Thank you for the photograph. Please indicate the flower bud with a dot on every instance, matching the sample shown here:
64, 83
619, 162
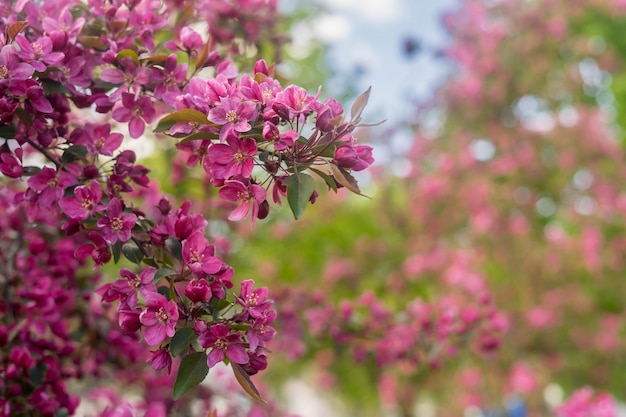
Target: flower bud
198, 291
160, 359
346, 156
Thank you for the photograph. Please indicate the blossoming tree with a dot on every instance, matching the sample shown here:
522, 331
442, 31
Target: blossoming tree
81, 84
508, 231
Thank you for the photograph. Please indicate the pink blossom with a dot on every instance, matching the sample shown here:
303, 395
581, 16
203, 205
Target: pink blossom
99, 251
11, 68
234, 116
159, 318
198, 255
39, 54
117, 225
235, 157
84, 203
254, 301
248, 196
297, 100
224, 343
50, 185
135, 111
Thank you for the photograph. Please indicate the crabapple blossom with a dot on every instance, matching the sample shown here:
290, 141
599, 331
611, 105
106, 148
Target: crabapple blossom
159, 318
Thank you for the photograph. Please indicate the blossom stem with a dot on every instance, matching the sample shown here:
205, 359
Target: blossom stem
44, 153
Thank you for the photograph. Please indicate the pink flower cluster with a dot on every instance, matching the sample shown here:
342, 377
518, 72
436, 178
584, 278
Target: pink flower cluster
586, 403
72, 76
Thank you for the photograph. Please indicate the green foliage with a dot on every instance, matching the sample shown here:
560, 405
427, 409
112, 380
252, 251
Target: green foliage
193, 369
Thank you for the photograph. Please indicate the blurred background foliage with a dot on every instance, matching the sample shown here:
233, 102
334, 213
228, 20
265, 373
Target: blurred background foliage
515, 183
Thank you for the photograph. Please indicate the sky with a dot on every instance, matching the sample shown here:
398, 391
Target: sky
369, 34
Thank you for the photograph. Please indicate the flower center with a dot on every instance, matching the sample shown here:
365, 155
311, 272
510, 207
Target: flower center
266, 94
52, 183
135, 282
195, 257
117, 224
38, 50
238, 157
252, 299
99, 142
221, 344
137, 112
161, 315
86, 203
4, 71
243, 196
231, 116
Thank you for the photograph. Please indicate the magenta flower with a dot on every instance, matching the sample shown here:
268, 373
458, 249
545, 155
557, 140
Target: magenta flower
286, 140
126, 289
98, 138
84, 202
261, 332
49, 186
296, 99
356, 158
224, 343
64, 22
39, 54
247, 195
137, 112
234, 116
11, 68
171, 77
117, 225
254, 301
131, 78
11, 164
159, 318
225, 160
128, 318
99, 250
199, 291
161, 359
198, 255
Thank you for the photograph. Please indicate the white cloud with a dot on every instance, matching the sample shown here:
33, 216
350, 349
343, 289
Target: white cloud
330, 28
372, 10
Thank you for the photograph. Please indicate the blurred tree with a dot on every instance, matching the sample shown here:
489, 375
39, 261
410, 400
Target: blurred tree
515, 201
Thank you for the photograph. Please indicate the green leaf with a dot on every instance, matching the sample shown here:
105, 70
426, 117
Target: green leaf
299, 189
241, 326
174, 247
7, 132
51, 86
38, 373
29, 171
193, 369
182, 116
150, 262
163, 272
246, 383
128, 53
74, 153
132, 252
181, 340
201, 136
92, 42
62, 412
327, 179
116, 249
